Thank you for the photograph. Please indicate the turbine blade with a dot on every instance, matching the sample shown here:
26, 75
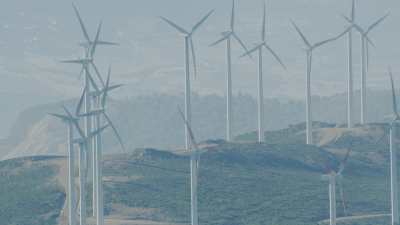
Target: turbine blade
353, 10
301, 35
74, 121
96, 40
115, 131
180, 29
275, 56
75, 61
92, 81
62, 117
67, 111
112, 87
80, 103
319, 44
356, 26
79, 129
98, 74
380, 20
252, 50
104, 98
194, 60
85, 33
344, 162
106, 43
347, 30
225, 37
81, 73
393, 93
233, 16
347, 19
346, 158
241, 43
201, 21
92, 113
99, 131
192, 138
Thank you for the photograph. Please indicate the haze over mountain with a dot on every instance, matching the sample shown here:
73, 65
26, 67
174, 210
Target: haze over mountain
35, 35
153, 121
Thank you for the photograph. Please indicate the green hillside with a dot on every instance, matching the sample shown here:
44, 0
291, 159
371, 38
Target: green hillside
29, 192
270, 184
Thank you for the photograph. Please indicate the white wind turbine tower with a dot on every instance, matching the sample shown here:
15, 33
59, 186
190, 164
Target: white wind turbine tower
350, 83
194, 172
393, 157
89, 46
259, 47
309, 51
228, 36
71, 167
365, 42
189, 46
83, 156
333, 176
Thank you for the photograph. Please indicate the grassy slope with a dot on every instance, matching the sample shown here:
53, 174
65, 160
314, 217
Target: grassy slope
249, 184
273, 184
29, 194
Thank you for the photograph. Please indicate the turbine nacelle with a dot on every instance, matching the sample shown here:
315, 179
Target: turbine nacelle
101, 92
266, 46
310, 47
188, 35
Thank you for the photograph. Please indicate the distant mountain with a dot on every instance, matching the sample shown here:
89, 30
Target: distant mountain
153, 121
240, 183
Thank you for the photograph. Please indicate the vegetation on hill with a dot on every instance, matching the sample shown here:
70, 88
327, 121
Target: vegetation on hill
276, 183
29, 192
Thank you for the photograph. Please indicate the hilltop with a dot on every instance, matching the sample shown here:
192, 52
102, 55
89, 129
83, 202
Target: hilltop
240, 183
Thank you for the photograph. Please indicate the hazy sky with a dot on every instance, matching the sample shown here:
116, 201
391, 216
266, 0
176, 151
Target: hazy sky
35, 35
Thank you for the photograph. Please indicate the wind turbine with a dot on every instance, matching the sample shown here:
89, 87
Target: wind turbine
333, 176
71, 166
194, 171
393, 157
82, 141
228, 36
259, 47
365, 42
89, 46
97, 162
309, 54
88, 85
189, 46
88, 43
